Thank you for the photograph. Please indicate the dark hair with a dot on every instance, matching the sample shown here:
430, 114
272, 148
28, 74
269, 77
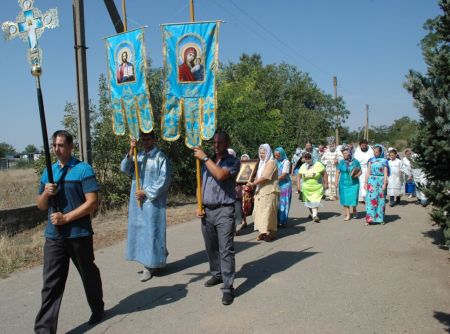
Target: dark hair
345, 149
379, 148
223, 135
307, 155
151, 134
393, 151
363, 141
63, 133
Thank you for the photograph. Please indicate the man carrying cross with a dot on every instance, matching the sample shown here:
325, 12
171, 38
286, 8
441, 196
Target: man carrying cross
68, 235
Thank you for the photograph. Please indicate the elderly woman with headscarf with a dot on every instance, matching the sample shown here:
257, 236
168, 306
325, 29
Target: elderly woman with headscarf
285, 184
266, 195
376, 184
347, 173
311, 175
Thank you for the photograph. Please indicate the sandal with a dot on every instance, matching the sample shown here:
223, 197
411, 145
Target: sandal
269, 238
346, 218
260, 237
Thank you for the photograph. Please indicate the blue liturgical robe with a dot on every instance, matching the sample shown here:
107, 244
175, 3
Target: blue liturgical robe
147, 224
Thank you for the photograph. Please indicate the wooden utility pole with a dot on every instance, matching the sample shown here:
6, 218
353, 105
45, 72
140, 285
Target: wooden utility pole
84, 133
366, 135
337, 116
114, 15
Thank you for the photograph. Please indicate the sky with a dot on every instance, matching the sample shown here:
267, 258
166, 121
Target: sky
369, 45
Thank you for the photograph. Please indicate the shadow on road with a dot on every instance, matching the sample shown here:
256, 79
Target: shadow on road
199, 258
444, 318
391, 218
436, 236
139, 301
260, 270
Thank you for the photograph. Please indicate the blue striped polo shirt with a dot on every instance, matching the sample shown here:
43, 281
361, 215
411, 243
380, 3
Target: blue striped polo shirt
79, 180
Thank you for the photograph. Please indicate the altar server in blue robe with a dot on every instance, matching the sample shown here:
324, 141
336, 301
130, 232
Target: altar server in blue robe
147, 222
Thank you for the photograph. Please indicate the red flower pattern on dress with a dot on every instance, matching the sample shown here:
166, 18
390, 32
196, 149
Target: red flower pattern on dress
374, 202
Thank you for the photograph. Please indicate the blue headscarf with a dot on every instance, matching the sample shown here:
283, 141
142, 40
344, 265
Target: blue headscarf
283, 157
381, 158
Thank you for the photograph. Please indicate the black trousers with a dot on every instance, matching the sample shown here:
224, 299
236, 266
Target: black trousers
218, 233
57, 255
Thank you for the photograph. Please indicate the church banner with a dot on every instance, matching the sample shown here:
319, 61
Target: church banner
190, 54
127, 67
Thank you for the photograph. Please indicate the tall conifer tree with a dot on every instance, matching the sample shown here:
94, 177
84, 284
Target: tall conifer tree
431, 96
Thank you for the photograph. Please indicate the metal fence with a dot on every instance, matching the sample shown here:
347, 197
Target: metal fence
4, 163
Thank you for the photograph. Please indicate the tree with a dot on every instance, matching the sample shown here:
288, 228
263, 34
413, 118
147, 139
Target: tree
276, 104
6, 149
31, 149
431, 97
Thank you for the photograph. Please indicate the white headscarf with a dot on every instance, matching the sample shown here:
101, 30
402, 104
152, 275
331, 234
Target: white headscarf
232, 152
262, 163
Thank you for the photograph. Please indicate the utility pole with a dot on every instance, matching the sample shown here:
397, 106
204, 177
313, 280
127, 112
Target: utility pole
337, 116
366, 135
114, 15
84, 132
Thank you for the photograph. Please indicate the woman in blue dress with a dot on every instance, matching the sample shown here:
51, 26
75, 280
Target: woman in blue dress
285, 184
347, 173
376, 183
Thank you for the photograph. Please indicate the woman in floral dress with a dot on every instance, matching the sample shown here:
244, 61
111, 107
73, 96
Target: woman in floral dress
376, 184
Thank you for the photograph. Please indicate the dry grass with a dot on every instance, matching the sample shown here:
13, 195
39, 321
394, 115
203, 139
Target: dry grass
25, 249
18, 187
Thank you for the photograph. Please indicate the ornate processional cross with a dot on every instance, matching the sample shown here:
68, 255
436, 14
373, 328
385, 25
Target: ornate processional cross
29, 26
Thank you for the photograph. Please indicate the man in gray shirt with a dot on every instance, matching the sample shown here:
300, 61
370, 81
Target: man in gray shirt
218, 184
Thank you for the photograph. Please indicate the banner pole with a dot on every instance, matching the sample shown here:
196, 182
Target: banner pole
136, 169
197, 162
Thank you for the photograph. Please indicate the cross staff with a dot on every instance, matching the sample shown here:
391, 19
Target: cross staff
29, 26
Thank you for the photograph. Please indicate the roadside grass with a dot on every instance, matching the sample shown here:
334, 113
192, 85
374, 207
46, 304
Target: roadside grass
18, 187
25, 250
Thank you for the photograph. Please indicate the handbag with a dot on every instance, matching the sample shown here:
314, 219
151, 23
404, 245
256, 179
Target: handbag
355, 172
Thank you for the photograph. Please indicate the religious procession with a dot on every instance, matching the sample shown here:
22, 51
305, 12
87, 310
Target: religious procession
241, 189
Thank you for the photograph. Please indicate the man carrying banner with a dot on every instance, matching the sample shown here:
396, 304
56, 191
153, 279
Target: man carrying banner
147, 222
68, 234
218, 189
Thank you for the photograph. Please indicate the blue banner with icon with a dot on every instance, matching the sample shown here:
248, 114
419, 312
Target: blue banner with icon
127, 67
190, 54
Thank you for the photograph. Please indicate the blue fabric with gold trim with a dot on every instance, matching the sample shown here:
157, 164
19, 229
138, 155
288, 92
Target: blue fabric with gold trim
190, 54
127, 78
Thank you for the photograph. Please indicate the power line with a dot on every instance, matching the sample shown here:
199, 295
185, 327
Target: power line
276, 38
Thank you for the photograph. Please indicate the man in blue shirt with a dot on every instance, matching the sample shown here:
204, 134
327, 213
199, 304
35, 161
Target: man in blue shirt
218, 191
69, 201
